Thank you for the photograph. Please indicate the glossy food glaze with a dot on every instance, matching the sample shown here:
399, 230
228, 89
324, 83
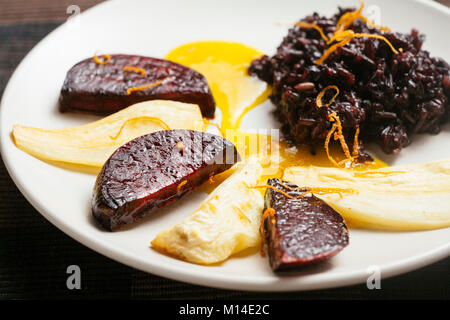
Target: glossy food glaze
154, 170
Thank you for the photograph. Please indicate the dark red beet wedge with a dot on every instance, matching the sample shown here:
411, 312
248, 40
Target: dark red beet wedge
154, 170
302, 231
102, 88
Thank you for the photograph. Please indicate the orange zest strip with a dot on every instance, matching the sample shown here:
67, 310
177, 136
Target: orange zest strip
274, 188
268, 212
338, 192
339, 36
344, 37
339, 135
333, 190
322, 93
287, 187
355, 152
156, 120
306, 25
332, 49
347, 18
147, 86
180, 145
317, 190
181, 185
366, 173
321, 190
98, 61
368, 35
210, 180
138, 70
327, 142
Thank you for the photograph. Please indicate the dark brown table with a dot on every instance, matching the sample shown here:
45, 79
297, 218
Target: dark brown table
34, 255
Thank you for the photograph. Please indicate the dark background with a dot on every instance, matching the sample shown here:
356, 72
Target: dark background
34, 254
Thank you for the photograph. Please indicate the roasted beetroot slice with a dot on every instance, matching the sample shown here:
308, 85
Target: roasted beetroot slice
154, 170
102, 88
302, 231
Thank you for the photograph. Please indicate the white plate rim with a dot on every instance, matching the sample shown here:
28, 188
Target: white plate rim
198, 278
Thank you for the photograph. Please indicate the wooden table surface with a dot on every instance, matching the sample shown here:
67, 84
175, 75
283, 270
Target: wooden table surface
34, 254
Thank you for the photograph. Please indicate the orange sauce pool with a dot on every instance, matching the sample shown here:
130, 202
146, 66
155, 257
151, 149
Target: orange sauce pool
224, 64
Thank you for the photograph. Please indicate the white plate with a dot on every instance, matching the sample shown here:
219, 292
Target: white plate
152, 28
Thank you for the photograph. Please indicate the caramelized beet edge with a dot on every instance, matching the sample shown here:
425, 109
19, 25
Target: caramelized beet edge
102, 88
149, 173
303, 231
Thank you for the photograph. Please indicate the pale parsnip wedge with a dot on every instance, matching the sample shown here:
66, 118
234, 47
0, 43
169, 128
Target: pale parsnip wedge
225, 223
93, 143
413, 197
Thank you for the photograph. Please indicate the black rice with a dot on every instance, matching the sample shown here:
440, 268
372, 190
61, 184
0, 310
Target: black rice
388, 95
